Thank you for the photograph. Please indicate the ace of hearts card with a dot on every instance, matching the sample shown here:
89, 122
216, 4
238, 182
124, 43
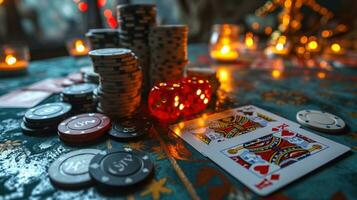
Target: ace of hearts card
265, 155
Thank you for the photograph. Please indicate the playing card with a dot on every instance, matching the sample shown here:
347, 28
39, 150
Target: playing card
274, 156
54, 85
209, 131
23, 98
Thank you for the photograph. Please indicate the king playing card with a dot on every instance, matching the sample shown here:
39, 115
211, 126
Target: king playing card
205, 132
274, 157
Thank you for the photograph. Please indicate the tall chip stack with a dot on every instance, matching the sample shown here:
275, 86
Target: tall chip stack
103, 38
168, 44
120, 83
134, 24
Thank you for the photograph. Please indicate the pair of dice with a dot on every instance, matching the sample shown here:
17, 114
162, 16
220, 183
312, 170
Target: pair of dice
168, 101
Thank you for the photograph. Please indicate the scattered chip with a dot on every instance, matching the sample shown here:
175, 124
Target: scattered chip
81, 97
72, 169
48, 112
130, 128
44, 130
120, 168
84, 128
321, 121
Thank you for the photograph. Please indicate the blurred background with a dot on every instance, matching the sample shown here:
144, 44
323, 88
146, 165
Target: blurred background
46, 25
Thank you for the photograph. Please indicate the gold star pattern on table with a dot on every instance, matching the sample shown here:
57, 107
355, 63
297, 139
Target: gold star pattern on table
159, 152
155, 188
9, 144
139, 146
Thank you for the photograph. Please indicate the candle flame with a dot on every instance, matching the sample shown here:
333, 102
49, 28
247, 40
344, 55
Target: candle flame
279, 46
225, 49
80, 46
10, 59
335, 47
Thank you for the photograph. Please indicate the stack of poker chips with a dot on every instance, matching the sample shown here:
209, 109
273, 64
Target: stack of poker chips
168, 44
81, 97
134, 25
119, 91
205, 73
103, 38
89, 76
43, 119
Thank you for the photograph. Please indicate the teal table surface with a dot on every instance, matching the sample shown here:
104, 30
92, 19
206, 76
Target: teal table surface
24, 160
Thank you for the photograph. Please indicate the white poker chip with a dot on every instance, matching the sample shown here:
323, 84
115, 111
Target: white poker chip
321, 121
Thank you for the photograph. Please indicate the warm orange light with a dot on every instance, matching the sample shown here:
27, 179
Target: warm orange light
276, 74
303, 39
249, 42
312, 45
222, 75
287, 4
225, 49
79, 45
1, 1
255, 25
321, 75
326, 33
300, 50
279, 46
335, 47
268, 30
225, 53
10, 59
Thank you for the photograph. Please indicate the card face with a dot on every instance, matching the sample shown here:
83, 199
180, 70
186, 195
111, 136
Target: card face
206, 132
23, 98
275, 157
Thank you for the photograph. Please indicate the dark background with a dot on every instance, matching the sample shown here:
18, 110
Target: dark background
46, 25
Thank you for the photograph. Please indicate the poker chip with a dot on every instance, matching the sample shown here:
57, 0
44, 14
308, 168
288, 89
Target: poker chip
168, 52
84, 128
103, 38
120, 168
41, 131
81, 97
134, 22
72, 169
130, 128
89, 76
120, 83
321, 121
51, 112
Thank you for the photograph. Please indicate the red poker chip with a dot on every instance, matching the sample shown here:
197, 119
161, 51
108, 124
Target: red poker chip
84, 128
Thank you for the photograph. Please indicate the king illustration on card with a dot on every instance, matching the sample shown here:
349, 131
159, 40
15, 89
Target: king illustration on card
268, 154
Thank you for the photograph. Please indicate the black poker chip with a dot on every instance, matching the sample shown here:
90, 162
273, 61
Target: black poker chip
71, 170
79, 90
50, 112
130, 128
120, 168
45, 130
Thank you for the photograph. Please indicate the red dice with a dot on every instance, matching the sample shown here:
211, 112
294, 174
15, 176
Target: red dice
197, 92
165, 101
